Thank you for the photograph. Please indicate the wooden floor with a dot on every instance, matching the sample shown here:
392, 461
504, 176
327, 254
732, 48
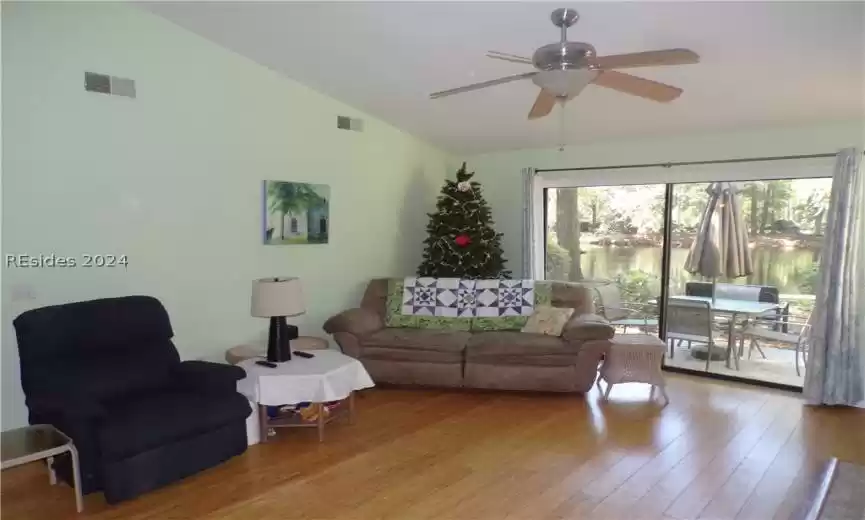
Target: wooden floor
717, 451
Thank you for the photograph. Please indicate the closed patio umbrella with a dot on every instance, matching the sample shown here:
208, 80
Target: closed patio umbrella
721, 245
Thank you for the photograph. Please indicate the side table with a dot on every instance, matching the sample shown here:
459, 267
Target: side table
634, 358
37, 442
329, 376
236, 354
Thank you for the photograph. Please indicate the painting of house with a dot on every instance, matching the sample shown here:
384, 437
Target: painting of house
295, 213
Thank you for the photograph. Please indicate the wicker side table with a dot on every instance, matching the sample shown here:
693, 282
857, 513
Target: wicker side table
634, 358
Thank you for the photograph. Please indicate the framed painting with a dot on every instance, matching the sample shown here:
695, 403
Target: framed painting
295, 213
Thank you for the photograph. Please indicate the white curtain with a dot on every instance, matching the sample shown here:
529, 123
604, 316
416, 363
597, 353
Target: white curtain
836, 363
528, 221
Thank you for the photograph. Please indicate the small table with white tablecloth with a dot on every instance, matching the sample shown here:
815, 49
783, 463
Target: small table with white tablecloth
328, 377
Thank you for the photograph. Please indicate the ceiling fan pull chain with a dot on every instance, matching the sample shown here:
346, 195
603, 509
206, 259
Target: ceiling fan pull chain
561, 127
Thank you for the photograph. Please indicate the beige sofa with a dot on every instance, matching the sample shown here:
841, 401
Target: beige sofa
504, 360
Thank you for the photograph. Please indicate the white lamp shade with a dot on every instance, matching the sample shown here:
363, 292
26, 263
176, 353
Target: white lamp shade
277, 297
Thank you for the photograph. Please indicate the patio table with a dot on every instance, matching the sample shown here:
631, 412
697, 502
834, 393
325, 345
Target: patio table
734, 308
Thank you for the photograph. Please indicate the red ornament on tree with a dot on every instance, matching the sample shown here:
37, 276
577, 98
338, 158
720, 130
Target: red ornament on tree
462, 240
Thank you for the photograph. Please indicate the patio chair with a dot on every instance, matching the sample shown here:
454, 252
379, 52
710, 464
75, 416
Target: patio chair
763, 329
760, 293
624, 315
692, 322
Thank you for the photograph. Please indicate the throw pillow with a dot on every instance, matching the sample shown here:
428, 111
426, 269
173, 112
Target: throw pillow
548, 320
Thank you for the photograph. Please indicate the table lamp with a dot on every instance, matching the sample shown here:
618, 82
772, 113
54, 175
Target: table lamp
276, 298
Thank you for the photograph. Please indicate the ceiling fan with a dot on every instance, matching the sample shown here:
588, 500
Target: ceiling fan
565, 68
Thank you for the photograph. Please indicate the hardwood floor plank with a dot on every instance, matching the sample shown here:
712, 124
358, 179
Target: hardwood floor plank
719, 450
677, 483
727, 500
709, 430
701, 490
763, 501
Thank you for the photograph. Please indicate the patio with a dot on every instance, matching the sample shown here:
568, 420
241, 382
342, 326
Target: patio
778, 367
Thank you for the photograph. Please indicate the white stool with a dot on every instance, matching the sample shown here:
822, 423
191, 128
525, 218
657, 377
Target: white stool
634, 358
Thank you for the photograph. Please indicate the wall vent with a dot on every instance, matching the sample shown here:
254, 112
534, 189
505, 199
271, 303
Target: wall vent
348, 123
105, 84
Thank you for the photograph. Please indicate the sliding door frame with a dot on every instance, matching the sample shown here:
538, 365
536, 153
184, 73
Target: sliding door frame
670, 176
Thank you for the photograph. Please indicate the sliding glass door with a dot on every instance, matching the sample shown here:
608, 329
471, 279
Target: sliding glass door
605, 233
613, 239
757, 317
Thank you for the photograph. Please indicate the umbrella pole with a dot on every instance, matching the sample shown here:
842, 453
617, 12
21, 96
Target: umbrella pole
713, 292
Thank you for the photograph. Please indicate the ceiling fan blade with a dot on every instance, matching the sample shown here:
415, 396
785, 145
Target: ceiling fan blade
508, 57
483, 84
637, 86
647, 59
543, 104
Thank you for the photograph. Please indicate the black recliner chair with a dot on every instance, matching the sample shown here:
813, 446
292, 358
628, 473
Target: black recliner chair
106, 373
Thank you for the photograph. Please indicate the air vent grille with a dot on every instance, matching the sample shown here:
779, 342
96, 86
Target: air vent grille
105, 84
349, 123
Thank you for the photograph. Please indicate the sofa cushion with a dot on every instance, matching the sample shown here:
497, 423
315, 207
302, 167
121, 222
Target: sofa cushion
542, 294
136, 425
393, 314
573, 295
439, 303
509, 343
416, 355
375, 297
586, 327
418, 339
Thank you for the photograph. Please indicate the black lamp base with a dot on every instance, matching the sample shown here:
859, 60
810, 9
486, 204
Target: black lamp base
279, 340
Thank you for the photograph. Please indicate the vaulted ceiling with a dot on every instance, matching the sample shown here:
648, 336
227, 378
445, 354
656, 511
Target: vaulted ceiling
762, 63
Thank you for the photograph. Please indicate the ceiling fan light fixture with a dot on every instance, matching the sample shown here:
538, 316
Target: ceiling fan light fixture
564, 68
565, 83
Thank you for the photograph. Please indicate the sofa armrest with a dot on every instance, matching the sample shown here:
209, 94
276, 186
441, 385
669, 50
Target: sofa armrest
357, 322
587, 327
208, 376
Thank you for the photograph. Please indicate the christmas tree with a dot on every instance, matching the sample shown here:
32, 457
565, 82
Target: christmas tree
461, 241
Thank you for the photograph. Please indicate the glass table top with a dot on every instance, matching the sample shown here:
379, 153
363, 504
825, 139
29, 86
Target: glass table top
23, 443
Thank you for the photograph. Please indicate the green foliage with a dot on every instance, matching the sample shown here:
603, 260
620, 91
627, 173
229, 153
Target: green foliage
557, 261
462, 213
290, 197
638, 286
806, 278
638, 209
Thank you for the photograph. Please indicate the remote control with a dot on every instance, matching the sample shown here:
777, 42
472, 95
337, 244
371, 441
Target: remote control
267, 364
303, 354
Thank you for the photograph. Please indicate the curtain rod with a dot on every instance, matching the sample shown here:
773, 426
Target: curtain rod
689, 163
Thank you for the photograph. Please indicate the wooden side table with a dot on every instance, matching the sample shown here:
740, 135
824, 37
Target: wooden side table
38, 442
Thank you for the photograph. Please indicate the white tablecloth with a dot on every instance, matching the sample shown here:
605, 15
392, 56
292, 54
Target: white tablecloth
329, 376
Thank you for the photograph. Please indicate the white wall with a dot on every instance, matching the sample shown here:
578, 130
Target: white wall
503, 186
173, 178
